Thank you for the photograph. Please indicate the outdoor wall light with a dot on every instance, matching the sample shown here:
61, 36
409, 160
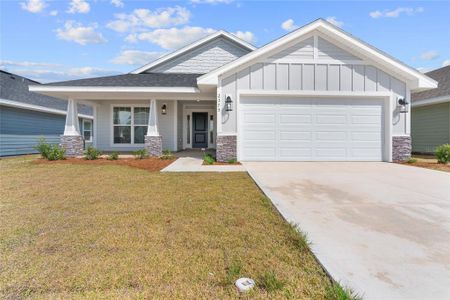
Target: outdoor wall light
403, 105
228, 104
164, 109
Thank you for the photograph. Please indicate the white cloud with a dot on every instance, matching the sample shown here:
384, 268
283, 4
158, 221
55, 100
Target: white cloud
79, 6
429, 55
27, 64
289, 25
335, 22
80, 34
247, 36
140, 19
446, 63
33, 6
211, 1
409, 11
117, 3
136, 57
171, 38
54, 13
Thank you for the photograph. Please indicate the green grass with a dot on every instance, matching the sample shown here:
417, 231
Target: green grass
110, 231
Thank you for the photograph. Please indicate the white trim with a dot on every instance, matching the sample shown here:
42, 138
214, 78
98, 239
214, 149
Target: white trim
111, 125
83, 130
388, 98
431, 101
95, 125
189, 111
112, 89
418, 80
175, 125
39, 108
189, 47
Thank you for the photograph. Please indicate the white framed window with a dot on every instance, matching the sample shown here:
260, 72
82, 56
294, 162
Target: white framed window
129, 124
87, 130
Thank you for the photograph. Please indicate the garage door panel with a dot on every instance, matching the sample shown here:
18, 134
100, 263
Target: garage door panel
259, 118
365, 136
295, 119
252, 153
295, 153
331, 135
367, 119
261, 136
295, 136
331, 153
331, 119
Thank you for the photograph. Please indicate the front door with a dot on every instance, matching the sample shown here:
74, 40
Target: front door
200, 130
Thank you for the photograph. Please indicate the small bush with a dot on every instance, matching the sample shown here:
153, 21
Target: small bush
443, 153
113, 156
56, 152
166, 155
92, 153
270, 282
411, 160
208, 159
43, 147
140, 154
232, 161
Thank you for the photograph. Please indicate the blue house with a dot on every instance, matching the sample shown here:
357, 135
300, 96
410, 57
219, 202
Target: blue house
26, 116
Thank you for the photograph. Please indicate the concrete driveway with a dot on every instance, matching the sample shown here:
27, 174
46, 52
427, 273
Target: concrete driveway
382, 229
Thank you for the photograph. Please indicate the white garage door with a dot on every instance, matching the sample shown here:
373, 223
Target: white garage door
317, 129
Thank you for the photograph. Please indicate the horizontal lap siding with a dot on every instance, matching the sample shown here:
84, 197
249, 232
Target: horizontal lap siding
14, 144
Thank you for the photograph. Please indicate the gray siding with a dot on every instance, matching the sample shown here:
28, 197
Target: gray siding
430, 126
327, 50
204, 59
301, 50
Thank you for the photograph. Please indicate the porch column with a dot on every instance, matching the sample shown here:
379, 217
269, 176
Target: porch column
71, 140
153, 141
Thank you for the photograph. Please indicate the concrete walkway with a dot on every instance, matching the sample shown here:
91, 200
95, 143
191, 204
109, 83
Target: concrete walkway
191, 161
382, 229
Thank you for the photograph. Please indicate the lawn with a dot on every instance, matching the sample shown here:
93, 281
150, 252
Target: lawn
114, 231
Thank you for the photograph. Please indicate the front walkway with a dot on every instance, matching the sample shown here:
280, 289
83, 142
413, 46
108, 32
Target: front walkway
382, 229
191, 161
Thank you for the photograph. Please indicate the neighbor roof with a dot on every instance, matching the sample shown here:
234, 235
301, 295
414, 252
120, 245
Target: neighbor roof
135, 80
15, 88
442, 75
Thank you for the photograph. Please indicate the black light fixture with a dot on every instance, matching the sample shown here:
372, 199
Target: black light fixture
403, 105
164, 109
228, 104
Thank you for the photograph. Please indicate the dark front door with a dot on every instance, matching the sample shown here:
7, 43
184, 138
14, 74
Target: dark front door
200, 130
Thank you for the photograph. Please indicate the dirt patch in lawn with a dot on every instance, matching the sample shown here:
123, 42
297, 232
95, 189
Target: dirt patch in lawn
428, 162
149, 164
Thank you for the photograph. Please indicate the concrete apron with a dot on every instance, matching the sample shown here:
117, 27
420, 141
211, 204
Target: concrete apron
381, 229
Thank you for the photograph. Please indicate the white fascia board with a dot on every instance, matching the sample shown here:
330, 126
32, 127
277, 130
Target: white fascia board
431, 101
38, 108
192, 46
111, 89
419, 80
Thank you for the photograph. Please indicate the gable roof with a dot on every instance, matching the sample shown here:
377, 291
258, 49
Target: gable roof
442, 75
417, 79
15, 88
190, 47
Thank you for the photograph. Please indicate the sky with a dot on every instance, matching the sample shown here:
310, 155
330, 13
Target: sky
59, 40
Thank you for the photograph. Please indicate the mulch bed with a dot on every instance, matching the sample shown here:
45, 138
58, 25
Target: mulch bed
429, 165
149, 164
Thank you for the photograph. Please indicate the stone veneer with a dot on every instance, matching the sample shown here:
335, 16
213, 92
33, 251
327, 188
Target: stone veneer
153, 145
401, 148
226, 148
73, 144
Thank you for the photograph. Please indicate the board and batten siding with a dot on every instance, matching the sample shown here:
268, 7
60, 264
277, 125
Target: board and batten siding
310, 77
204, 59
104, 125
430, 127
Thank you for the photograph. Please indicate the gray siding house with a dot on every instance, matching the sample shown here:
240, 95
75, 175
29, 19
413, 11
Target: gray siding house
315, 94
430, 118
27, 116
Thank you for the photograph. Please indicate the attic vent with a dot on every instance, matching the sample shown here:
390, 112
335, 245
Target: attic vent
12, 77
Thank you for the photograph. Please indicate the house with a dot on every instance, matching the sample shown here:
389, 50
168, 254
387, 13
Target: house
27, 116
315, 94
430, 118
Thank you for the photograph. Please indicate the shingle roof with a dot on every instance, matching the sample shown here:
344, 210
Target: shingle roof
14, 87
138, 80
441, 75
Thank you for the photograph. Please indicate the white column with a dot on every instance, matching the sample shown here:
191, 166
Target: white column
152, 129
72, 127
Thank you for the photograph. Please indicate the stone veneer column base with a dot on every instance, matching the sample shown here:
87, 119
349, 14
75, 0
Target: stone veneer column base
153, 145
226, 148
73, 144
401, 148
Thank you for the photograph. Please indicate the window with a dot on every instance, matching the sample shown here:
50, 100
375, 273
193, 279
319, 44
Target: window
87, 130
130, 124
211, 128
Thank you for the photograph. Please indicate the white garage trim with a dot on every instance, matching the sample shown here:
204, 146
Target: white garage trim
387, 97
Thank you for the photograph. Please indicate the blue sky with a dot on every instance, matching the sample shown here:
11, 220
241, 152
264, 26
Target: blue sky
59, 40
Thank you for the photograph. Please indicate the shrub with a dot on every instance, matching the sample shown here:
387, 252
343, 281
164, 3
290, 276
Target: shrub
443, 153
270, 282
208, 159
140, 154
232, 161
411, 160
43, 147
56, 152
92, 153
113, 156
166, 155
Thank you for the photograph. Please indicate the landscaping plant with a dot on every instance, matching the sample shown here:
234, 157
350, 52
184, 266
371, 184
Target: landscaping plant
208, 159
443, 153
166, 155
43, 147
140, 154
56, 152
113, 156
92, 153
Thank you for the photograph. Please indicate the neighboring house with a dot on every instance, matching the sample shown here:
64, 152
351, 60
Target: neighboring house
27, 116
315, 94
430, 119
